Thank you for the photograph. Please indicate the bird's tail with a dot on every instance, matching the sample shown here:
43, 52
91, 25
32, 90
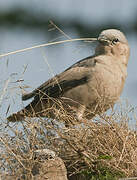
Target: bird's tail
30, 110
16, 117
27, 96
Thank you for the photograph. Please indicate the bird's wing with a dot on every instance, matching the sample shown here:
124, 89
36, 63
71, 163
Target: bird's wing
76, 75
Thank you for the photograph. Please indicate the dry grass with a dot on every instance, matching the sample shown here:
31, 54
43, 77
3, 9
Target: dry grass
93, 148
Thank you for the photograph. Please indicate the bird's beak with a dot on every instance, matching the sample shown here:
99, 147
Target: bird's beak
103, 40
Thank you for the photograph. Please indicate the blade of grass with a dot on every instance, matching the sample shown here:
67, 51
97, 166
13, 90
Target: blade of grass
47, 44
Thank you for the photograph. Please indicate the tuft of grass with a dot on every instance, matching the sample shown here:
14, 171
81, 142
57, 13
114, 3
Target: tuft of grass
103, 148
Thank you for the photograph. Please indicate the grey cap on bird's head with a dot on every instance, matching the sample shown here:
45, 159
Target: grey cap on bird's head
110, 35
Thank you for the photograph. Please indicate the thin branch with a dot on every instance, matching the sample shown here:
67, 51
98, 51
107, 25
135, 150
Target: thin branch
62, 32
47, 44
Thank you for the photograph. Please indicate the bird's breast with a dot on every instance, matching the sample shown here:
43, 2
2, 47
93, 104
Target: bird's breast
108, 81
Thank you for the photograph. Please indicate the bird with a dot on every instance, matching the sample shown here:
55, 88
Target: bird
88, 88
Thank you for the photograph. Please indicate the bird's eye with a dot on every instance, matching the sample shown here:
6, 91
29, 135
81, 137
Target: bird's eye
114, 41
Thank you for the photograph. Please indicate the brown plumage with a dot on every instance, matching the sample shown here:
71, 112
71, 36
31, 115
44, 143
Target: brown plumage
89, 87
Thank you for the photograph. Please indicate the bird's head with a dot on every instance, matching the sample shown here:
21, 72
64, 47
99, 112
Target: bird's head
113, 42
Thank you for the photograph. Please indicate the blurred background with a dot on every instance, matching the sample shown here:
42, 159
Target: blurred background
28, 23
